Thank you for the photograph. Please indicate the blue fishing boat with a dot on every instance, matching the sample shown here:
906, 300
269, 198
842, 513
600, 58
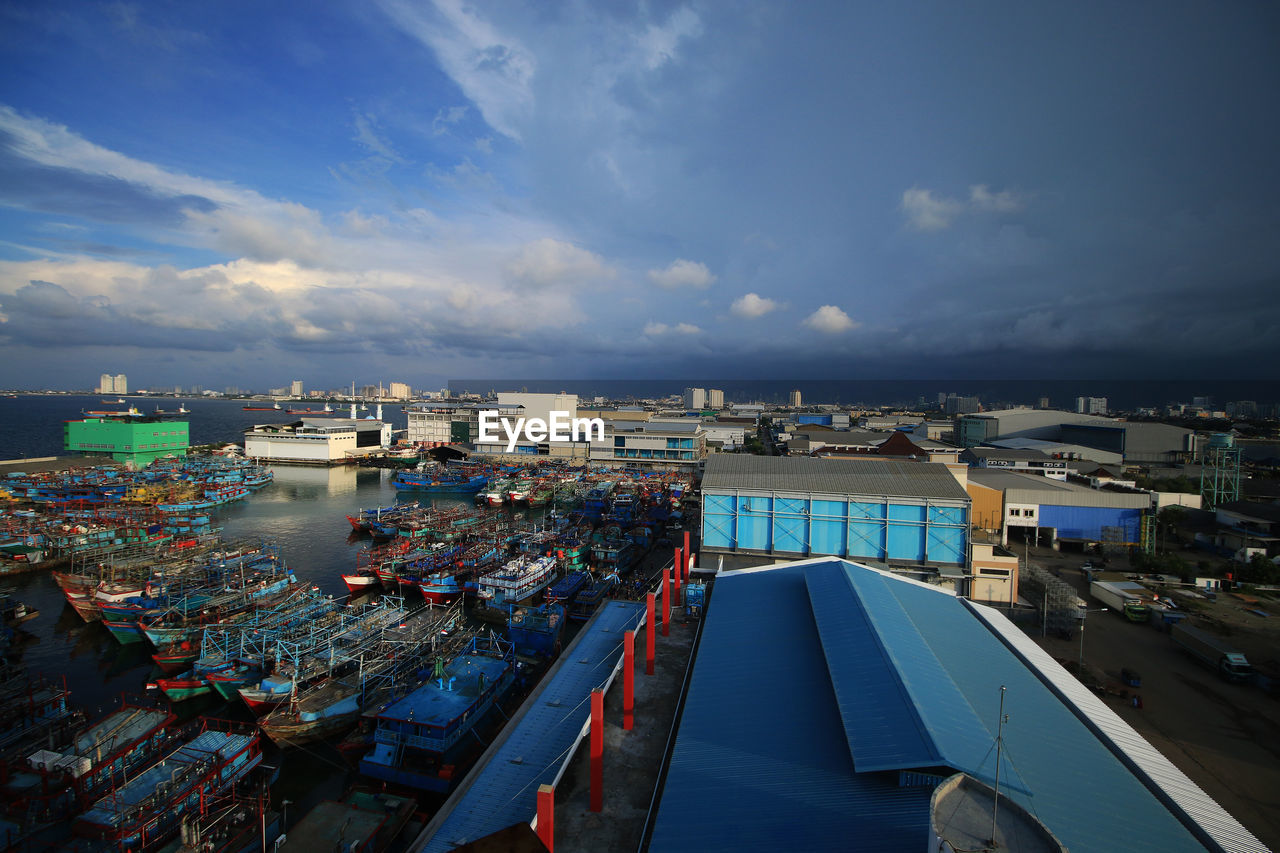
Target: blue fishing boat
452, 483
418, 738
590, 597
537, 631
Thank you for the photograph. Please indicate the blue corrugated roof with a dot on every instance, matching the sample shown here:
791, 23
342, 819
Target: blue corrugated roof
504, 791
757, 763
798, 660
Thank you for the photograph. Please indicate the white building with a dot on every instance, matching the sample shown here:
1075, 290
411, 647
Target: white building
317, 441
794, 399
108, 384
295, 389
1091, 405
715, 399
647, 444
695, 399
399, 391
436, 424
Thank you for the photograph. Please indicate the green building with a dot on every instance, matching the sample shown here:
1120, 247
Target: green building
139, 439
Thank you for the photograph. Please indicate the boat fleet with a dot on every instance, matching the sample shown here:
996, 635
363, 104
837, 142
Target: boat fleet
404, 677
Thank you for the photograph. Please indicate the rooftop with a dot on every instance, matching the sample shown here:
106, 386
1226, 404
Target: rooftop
880, 477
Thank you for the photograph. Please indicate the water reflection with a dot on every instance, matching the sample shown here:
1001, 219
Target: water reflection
307, 482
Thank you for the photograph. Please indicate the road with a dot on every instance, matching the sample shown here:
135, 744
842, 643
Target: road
1224, 736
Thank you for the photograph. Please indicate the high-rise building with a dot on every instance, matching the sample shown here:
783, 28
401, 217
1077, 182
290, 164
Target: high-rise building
399, 391
106, 384
794, 399
295, 388
955, 404
695, 398
715, 398
121, 385
1091, 405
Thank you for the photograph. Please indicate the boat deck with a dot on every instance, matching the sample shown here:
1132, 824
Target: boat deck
432, 705
502, 789
118, 729
332, 825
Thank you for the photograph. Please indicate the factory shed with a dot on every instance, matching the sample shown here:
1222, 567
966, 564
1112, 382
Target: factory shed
884, 510
1050, 510
871, 690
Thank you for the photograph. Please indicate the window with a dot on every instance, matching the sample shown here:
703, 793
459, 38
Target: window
1015, 512
619, 441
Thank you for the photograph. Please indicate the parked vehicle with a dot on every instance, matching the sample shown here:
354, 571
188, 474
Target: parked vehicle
1214, 652
1123, 597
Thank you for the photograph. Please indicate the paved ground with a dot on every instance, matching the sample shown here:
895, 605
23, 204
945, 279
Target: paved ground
1224, 736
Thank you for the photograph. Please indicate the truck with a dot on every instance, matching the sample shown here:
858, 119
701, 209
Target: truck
1214, 652
1124, 598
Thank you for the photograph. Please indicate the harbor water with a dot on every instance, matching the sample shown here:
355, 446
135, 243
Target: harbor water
303, 511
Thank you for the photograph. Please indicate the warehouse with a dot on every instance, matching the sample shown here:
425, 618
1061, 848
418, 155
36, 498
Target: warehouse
1049, 511
897, 512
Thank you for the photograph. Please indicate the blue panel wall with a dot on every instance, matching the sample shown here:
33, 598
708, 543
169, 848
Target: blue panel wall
906, 534
829, 528
755, 523
824, 420
1086, 522
719, 521
867, 529
791, 525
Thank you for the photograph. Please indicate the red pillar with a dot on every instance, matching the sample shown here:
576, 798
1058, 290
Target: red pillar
666, 602
628, 680
597, 750
688, 556
676, 571
650, 638
547, 816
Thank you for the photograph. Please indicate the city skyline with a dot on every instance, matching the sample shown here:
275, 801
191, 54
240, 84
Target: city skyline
432, 190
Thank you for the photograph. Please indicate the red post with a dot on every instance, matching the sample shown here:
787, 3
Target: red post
688, 555
650, 639
547, 816
597, 750
628, 680
666, 602
677, 570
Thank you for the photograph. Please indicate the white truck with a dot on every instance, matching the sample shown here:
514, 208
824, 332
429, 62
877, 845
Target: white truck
1214, 652
1124, 598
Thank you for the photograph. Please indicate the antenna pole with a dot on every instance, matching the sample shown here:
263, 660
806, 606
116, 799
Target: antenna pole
995, 809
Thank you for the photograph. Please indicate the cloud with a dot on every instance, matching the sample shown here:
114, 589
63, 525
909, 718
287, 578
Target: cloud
493, 70
546, 262
658, 43
682, 273
367, 135
1005, 201
929, 212
656, 329
830, 320
752, 305
446, 117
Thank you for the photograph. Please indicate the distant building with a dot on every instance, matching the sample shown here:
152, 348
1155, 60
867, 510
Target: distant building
295, 388
794, 399
695, 399
108, 384
399, 391
715, 399
974, 429
954, 404
320, 441
1043, 403
1091, 405
138, 440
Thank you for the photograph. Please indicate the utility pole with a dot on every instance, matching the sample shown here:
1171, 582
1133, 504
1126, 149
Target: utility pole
995, 808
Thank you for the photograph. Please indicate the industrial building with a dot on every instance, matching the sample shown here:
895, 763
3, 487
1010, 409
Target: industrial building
1049, 511
844, 728
1137, 443
897, 512
651, 444
1025, 461
974, 429
135, 438
317, 441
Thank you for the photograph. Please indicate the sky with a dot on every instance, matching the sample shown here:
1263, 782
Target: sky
245, 193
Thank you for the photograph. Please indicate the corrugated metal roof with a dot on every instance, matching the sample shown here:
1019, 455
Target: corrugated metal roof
1036, 489
777, 777
878, 477
758, 763
503, 791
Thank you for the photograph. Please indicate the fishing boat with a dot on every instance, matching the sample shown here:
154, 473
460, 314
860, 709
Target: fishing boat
564, 590
537, 631
591, 596
149, 806
427, 482
417, 737
515, 583
274, 408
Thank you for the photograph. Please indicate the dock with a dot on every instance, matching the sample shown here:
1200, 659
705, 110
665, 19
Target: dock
538, 743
